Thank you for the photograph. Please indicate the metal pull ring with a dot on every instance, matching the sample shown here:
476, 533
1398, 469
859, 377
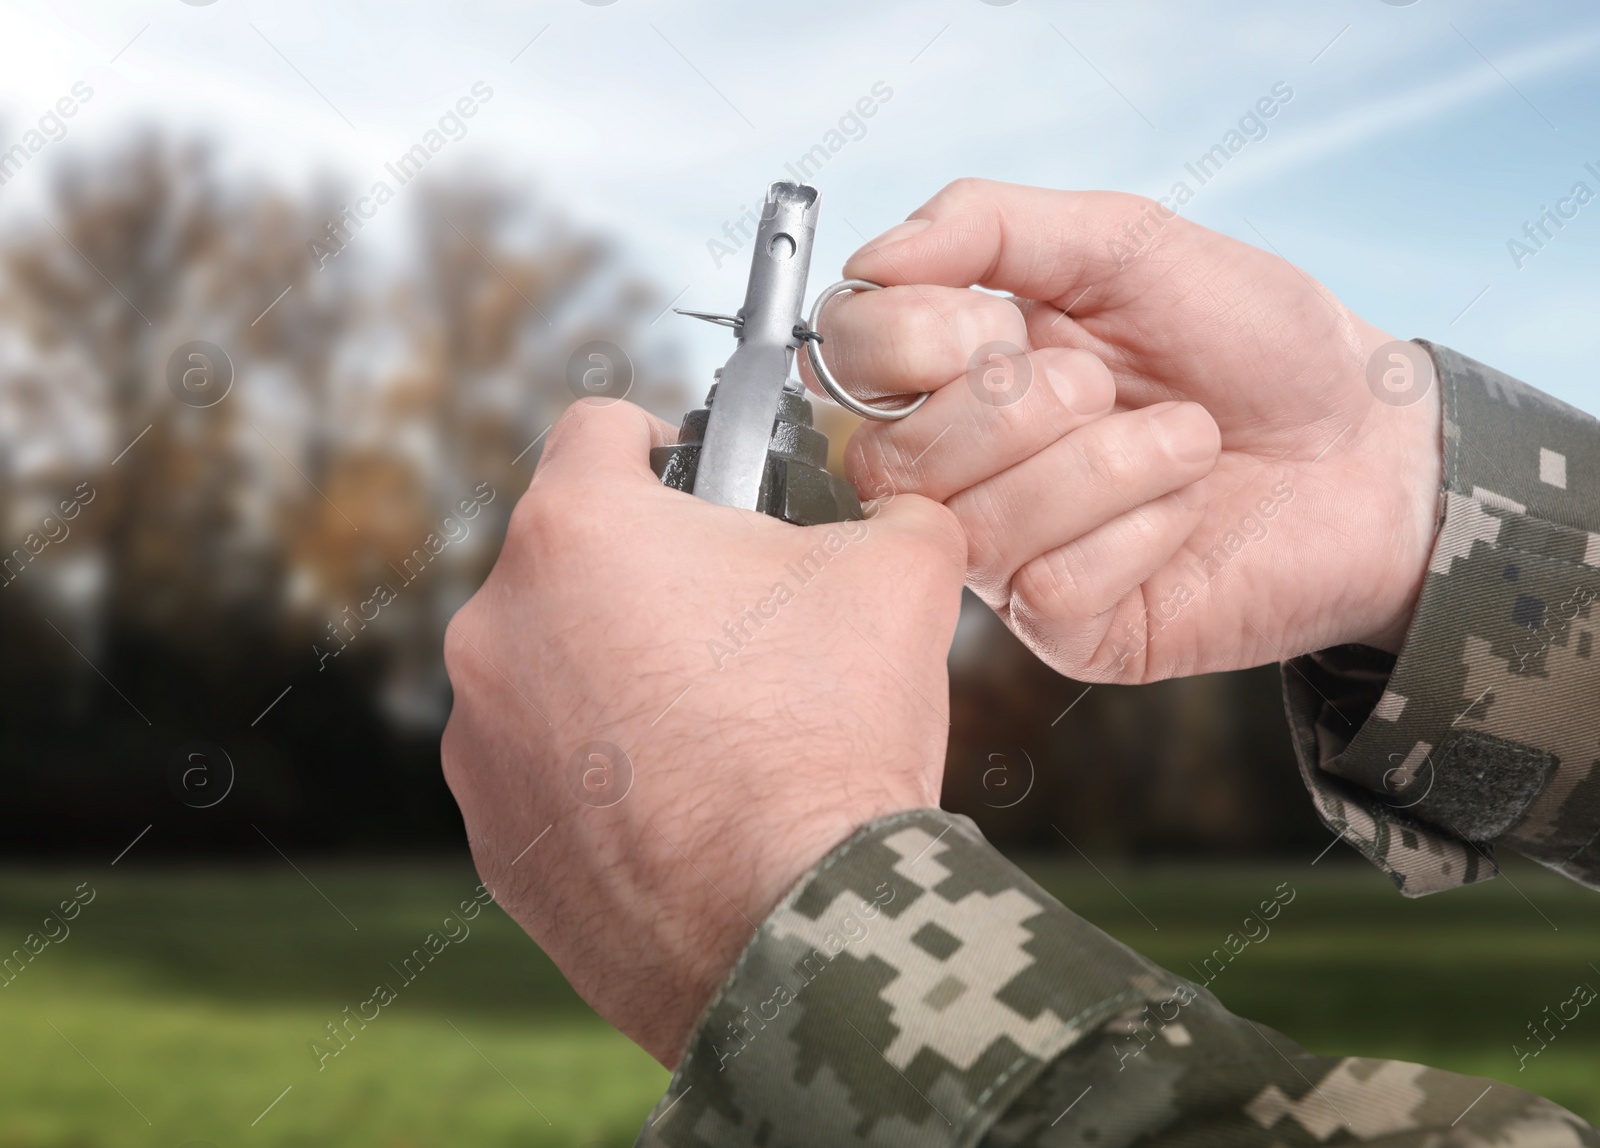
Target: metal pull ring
897, 408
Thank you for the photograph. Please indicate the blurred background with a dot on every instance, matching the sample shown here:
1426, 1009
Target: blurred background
289, 295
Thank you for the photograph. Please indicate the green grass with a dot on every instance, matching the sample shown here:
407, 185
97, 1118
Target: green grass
196, 994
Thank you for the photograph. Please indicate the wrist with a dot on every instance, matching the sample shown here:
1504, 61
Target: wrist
1403, 443
754, 865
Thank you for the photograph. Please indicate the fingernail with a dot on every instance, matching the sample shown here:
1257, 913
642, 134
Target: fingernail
1186, 431
1065, 387
1196, 495
895, 234
973, 330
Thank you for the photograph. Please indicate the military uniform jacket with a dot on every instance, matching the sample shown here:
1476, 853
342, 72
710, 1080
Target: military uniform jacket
916, 988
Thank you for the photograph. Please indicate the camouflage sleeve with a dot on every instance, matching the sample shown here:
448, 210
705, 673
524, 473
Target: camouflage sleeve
918, 989
1486, 729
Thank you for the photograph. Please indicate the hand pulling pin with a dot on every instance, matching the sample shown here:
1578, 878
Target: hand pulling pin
753, 445
896, 408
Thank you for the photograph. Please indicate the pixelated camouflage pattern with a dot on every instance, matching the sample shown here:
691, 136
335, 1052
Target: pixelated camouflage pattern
1486, 730
1226, 1081
918, 989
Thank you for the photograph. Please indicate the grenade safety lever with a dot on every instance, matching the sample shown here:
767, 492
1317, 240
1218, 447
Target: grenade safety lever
753, 446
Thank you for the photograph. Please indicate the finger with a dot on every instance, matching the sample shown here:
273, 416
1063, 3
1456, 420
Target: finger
1080, 606
990, 418
597, 438
1078, 484
910, 339
1034, 242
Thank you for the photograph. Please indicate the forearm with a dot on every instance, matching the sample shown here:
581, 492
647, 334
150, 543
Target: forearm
917, 988
908, 990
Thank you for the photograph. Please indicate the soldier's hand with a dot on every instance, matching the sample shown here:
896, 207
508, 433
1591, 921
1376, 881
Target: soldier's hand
667, 711
1201, 473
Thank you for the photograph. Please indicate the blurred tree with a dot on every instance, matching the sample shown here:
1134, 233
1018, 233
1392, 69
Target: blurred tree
264, 558
317, 509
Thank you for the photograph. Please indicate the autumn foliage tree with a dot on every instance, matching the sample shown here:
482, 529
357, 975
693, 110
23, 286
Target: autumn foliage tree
243, 487
357, 427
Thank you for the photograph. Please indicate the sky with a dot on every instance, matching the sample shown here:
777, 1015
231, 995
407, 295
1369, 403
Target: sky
1419, 140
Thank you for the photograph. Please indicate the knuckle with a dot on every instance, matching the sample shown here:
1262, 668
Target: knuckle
554, 531
1133, 533
875, 464
1062, 607
1045, 586
538, 524
457, 647
1151, 223
1125, 205
964, 189
922, 352
986, 518
904, 342
450, 756
1112, 463
968, 195
981, 321
555, 438
1124, 648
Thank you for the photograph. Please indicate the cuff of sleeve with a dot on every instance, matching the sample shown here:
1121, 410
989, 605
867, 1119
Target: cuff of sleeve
908, 989
1485, 729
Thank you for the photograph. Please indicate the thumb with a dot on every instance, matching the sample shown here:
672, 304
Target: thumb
915, 521
1034, 242
602, 438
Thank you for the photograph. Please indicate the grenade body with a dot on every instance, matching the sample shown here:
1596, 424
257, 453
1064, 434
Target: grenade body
795, 486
